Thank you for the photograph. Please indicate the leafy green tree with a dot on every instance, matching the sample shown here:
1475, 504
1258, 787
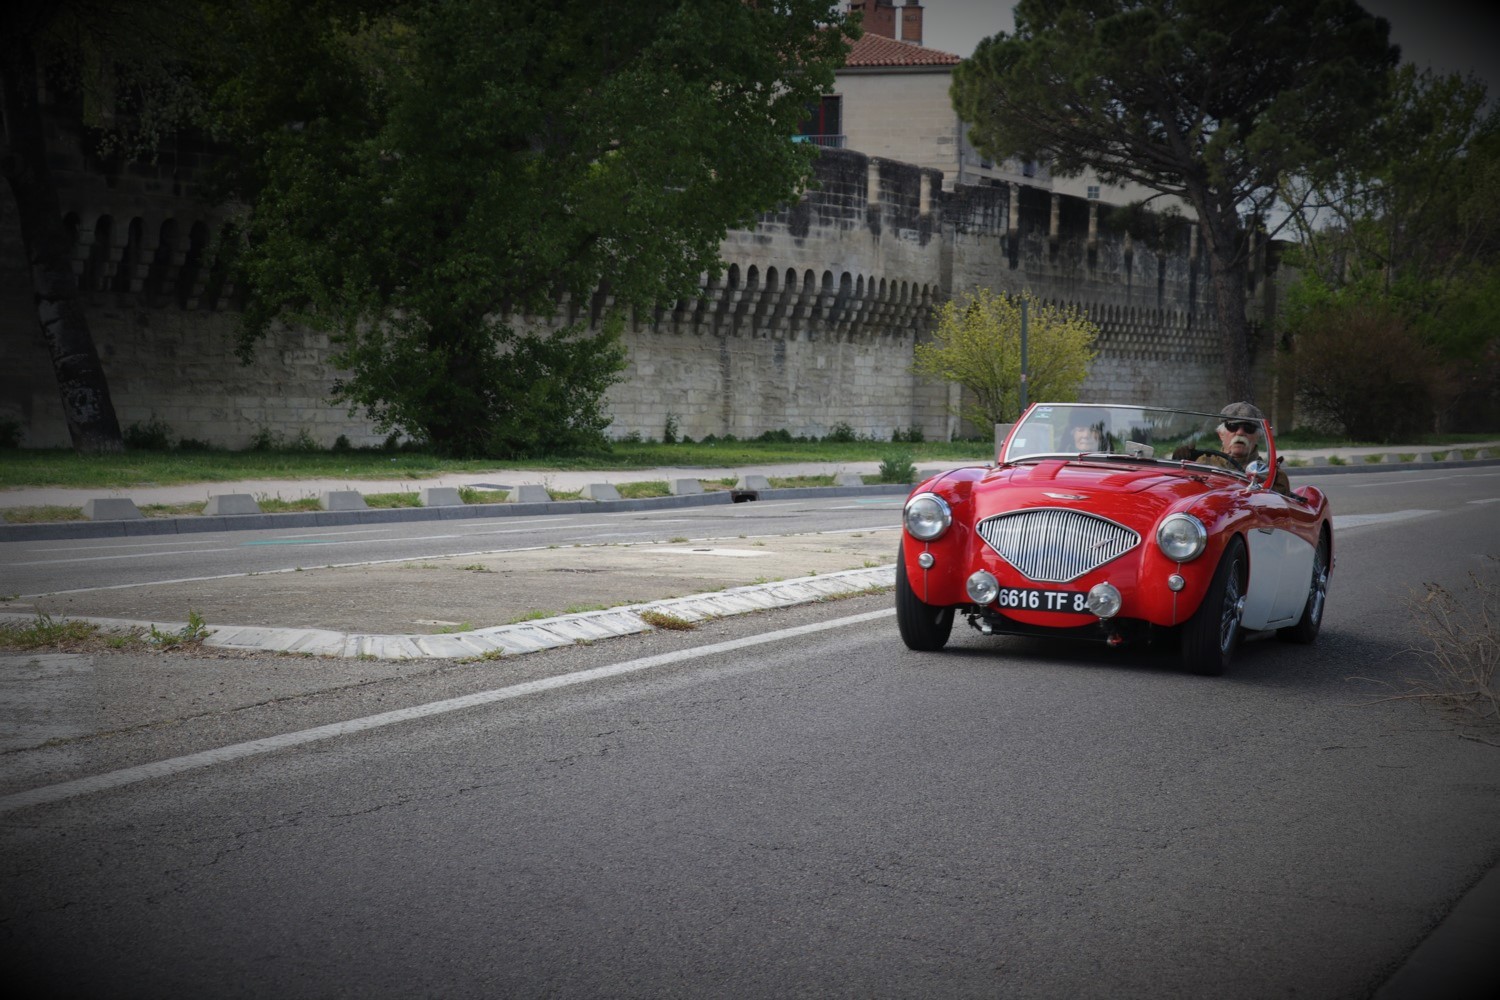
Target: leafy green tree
1418, 210
977, 344
1407, 237
1210, 101
445, 165
114, 74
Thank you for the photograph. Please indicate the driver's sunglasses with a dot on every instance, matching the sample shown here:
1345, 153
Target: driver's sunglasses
1242, 426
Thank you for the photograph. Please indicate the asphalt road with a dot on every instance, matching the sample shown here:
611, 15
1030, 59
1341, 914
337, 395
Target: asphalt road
792, 804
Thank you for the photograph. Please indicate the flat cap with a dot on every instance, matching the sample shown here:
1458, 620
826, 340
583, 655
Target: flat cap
1243, 411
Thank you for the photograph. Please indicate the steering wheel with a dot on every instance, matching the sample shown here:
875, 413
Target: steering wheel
1239, 467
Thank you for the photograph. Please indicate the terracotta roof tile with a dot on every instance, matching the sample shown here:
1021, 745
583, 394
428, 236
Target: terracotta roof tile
877, 50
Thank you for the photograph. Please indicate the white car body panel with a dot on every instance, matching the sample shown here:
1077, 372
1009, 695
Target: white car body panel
1280, 572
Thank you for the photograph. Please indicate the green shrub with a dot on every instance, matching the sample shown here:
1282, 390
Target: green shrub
841, 433
149, 435
897, 467
10, 432
265, 439
303, 442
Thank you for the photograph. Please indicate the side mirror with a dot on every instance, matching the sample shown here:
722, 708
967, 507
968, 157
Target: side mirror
1259, 472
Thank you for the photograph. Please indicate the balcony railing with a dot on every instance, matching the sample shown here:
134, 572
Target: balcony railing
830, 141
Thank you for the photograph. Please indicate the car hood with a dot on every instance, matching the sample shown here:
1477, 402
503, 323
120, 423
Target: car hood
1135, 494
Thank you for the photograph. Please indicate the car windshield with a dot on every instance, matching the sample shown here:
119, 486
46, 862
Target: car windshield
1071, 430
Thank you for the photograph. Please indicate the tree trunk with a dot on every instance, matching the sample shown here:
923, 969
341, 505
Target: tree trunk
1227, 277
87, 407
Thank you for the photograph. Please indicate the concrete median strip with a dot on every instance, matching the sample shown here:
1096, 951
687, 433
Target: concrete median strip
524, 637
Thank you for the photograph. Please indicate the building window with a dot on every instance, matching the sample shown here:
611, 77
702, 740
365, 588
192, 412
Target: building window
1028, 169
1093, 192
825, 122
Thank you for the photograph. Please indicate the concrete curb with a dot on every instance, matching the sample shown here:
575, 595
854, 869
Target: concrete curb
522, 637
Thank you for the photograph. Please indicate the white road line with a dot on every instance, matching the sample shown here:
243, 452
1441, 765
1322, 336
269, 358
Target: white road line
271, 744
1474, 474
1343, 522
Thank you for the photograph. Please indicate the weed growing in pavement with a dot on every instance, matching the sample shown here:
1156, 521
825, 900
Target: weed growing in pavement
172, 509
389, 500
44, 633
41, 514
644, 490
488, 656
276, 505
191, 634
477, 568
798, 482
665, 621
451, 629
1459, 653
469, 494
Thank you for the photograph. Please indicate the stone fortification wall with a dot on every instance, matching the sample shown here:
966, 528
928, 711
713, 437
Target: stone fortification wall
812, 324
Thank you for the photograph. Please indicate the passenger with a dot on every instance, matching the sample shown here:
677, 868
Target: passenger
1240, 440
1084, 436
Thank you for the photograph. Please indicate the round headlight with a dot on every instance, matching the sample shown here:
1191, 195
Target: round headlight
927, 516
983, 587
1103, 600
1181, 537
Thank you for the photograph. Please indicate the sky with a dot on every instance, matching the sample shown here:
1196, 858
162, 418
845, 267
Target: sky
1445, 35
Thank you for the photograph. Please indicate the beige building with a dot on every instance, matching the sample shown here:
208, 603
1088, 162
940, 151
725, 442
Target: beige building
891, 101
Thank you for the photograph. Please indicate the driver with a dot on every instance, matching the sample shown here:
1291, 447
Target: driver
1239, 437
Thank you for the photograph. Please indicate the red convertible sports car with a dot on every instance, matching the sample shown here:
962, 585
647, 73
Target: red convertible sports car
1118, 523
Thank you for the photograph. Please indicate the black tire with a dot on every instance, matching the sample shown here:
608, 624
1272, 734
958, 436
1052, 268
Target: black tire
1209, 637
924, 628
1306, 629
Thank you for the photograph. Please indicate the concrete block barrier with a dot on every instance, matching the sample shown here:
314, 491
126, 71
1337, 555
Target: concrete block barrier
601, 491
753, 482
686, 487
529, 493
231, 503
848, 479
342, 500
111, 509
441, 496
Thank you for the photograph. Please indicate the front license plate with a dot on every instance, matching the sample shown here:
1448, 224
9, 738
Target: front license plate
1032, 599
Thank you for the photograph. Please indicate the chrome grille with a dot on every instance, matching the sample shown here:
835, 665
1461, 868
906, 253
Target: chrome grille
1051, 545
